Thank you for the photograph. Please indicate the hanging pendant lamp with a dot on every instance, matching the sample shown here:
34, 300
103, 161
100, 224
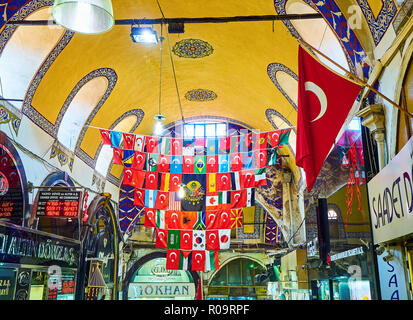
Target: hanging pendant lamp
84, 16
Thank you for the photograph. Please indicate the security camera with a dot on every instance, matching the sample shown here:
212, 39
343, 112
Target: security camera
380, 250
388, 257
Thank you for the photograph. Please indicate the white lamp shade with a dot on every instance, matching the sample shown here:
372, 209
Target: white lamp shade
84, 16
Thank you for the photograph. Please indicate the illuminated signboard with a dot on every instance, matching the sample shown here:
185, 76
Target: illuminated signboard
58, 203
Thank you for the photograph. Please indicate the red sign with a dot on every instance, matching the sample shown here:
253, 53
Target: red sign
61, 208
58, 204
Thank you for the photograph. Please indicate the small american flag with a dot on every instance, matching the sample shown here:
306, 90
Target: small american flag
174, 201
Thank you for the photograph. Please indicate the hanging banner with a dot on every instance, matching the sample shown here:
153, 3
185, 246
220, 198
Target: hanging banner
391, 197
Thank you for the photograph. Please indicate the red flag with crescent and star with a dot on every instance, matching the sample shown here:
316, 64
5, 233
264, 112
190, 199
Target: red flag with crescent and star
324, 102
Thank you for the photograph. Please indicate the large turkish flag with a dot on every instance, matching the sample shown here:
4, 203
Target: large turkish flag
324, 102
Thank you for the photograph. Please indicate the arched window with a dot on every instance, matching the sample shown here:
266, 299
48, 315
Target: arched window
318, 34
106, 153
79, 110
24, 52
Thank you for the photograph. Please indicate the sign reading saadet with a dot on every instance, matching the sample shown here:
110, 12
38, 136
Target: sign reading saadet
391, 197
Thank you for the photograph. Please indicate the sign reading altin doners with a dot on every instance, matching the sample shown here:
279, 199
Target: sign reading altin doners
391, 197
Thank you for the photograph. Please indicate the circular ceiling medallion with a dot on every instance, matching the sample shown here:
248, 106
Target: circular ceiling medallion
192, 48
200, 95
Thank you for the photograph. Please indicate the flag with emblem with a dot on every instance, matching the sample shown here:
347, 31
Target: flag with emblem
271, 157
117, 156
163, 163
198, 260
176, 164
174, 182
211, 182
224, 238
188, 164
200, 164
150, 217
105, 136
224, 219
174, 201
236, 218
186, 239
260, 142
212, 200
150, 198
195, 192
139, 160
211, 146
247, 179
224, 163
211, 219
212, 164
223, 181
236, 162
211, 260
274, 138
250, 197
127, 176
188, 219
139, 199
173, 259
174, 237
160, 219
152, 162
260, 177
173, 219
115, 138
151, 180
151, 144
139, 143
198, 240
128, 141
260, 158
127, 159
188, 147
165, 146
161, 238
176, 146
162, 200
212, 240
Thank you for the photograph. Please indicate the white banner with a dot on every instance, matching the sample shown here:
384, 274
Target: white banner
391, 197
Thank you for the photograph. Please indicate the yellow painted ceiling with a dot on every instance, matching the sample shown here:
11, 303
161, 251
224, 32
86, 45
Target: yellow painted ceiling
236, 70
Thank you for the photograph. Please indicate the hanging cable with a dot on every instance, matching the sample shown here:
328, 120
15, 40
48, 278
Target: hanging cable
160, 69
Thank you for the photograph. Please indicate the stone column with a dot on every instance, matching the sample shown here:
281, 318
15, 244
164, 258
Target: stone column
373, 118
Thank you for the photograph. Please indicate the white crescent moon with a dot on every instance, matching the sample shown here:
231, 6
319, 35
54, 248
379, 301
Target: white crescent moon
311, 86
211, 160
237, 196
174, 256
184, 236
212, 217
175, 178
222, 215
212, 238
161, 235
198, 254
224, 178
162, 197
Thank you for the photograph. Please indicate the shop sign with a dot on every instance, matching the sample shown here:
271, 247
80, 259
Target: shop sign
20, 246
161, 290
391, 197
392, 276
348, 253
58, 203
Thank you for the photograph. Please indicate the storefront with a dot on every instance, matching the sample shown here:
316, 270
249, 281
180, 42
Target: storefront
149, 279
35, 265
391, 208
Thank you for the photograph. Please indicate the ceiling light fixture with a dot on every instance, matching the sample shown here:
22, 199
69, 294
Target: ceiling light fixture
84, 16
158, 124
143, 35
159, 117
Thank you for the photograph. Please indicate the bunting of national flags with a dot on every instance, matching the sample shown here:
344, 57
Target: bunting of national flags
219, 176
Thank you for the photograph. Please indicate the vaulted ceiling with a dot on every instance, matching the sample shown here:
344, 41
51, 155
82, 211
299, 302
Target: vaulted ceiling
244, 71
